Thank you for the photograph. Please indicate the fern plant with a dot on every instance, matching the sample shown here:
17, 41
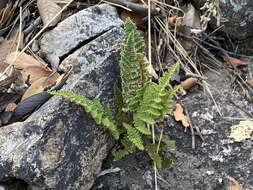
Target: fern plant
140, 103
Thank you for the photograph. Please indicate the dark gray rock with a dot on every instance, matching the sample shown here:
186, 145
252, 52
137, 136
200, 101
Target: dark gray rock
238, 17
60, 146
214, 159
77, 29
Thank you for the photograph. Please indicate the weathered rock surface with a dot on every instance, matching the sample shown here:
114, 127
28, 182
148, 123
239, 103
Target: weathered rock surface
77, 29
214, 159
60, 146
238, 17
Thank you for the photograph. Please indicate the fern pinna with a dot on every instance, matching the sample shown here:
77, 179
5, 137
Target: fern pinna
140, 103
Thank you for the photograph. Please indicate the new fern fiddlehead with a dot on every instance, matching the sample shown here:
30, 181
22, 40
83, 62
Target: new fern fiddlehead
144, 100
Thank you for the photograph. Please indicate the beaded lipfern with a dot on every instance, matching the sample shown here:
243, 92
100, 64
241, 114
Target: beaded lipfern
141, 102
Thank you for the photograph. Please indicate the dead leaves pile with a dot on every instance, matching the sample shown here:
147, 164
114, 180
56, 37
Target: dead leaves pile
7, 11
23, 75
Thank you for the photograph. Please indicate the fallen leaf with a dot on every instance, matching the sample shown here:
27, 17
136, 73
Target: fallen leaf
241, 131
181, 91
236, 61
137, 18
39, 86
7, 46
235, 185
175, 21
11, 79
179, 116
189, 83
48, 9
28, 66
11, 107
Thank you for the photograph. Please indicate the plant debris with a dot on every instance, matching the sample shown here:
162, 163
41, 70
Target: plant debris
179, 116
241, 131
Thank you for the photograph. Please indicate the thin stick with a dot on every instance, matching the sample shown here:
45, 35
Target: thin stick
139, 8
186, 57
117, 5
39, 33
191, 127
20, 31
150, 62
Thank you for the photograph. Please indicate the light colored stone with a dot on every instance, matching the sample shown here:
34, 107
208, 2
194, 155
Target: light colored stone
77, 29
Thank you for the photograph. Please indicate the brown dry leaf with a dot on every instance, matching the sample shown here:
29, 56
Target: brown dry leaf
179, 116
236, 61
174, 21
235, 185
12, 79
48, 9
189, 83
11, 107
28, 66
40, 85
7, 46
241, 131
137, 18
8, 11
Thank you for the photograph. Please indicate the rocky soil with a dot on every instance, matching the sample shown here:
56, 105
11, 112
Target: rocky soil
60, 147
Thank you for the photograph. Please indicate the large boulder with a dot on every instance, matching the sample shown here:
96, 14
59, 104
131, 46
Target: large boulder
60, 146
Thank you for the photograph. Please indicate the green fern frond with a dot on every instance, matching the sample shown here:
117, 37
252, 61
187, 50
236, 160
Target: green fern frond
100, 115
128, 145
152, 151
166, 163
140, 125
139, 41
121, 154
120, 115
128, 149
140, 103
130, 72
164, 81
131, 66
134, 136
